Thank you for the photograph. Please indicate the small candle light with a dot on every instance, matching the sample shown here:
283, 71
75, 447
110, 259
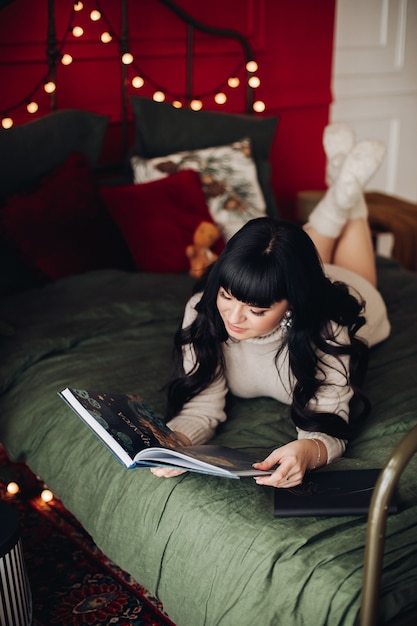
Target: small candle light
12, 488
47, 495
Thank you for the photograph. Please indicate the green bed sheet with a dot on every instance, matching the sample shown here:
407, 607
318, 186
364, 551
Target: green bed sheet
208, 547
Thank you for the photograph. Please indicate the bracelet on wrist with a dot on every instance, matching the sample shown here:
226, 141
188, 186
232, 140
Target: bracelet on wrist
317, 464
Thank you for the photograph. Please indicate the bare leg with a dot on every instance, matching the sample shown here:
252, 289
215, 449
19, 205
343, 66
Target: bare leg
353, 248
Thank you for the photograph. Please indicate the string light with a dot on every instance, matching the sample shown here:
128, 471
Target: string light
159, 96
7, 122
233, 82
49, 87
127, 58
259, 106
138, 81
78, 31
220, 98
251, 66
95, 16
32, 107
196, 105
254, 82
66, 59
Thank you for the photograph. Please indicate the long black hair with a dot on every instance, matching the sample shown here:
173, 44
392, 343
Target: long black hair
265, 262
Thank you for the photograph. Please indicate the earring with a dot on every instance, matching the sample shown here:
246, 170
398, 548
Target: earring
287, 320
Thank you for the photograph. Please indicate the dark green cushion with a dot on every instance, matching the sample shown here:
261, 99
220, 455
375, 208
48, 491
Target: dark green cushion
30, 151
161, 129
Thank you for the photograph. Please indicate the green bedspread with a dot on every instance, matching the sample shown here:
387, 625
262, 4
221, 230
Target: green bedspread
209, 548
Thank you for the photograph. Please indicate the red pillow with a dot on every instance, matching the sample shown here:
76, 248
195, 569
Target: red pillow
61, 227
158, 219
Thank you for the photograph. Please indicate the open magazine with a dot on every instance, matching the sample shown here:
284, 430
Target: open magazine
138, 437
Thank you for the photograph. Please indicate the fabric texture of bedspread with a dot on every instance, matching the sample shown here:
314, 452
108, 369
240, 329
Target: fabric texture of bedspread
209, 548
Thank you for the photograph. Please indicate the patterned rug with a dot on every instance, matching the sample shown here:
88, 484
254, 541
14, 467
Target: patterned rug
72, 582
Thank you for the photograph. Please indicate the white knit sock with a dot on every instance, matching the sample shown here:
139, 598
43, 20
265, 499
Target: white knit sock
358, 168
344, 199
326, 218
359, 209
338, 141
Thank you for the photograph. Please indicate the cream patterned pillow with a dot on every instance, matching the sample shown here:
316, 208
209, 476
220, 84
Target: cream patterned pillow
228, 177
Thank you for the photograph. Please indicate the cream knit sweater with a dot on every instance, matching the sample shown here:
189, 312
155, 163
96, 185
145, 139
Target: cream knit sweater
251, 372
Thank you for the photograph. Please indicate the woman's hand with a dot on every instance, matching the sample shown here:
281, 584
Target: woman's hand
170, 472
293, 460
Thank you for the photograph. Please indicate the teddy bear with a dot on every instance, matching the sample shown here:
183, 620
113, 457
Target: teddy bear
206, 235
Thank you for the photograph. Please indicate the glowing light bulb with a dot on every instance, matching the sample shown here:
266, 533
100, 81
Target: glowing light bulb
259, 106
158, 96
77, 31
12, 488
47, 495
66, 59
95, 16
32, 107
251, 66
127, 58
233, 82
106, 37
49, 87
177, 104
220, 98
7, 122
78, 6
137, 82
254, 82
196, 105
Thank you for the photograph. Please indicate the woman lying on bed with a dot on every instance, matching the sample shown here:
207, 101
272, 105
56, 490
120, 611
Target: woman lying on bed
276, 318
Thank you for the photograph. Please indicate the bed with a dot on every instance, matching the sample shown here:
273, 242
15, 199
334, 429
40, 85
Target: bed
208, 548
93, 286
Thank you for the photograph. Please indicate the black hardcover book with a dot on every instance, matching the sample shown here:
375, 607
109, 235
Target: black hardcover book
331, 492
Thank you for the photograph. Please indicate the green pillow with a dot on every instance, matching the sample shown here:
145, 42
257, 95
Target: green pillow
161, 129
30, 151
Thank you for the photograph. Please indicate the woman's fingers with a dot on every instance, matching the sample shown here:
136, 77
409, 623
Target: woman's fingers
166, 472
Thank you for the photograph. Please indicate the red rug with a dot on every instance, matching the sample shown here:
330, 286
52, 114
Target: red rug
72, 582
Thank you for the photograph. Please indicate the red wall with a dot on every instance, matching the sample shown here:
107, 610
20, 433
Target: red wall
292, 40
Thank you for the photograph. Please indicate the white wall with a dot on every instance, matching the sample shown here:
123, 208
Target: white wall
375, 84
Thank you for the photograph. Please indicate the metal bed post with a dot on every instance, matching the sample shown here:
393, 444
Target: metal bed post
124, 47
220, 32
377, 525
51, 51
